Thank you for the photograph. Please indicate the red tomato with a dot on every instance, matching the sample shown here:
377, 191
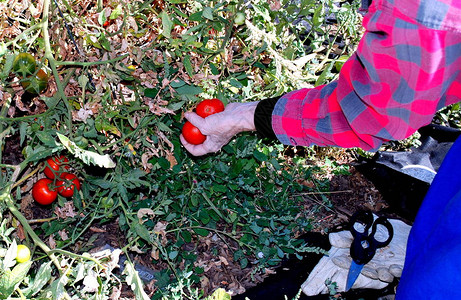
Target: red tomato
192, 134
53, 165
208, 107
66, 186
42, 193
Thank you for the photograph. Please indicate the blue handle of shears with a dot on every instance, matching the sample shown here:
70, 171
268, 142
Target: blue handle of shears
364, 245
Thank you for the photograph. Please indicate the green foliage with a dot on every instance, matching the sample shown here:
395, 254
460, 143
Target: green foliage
117, 116
449, 116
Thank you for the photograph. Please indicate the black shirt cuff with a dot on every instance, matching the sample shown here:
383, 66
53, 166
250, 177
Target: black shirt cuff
263, 118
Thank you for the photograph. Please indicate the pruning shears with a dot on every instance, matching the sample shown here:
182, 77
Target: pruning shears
365, 243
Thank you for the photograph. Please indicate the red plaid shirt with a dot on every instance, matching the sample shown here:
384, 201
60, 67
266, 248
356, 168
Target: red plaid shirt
407, 66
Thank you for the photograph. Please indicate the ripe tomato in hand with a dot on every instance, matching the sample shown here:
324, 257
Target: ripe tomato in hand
208, 107
192, 134
66, 186
53, 165
42, 193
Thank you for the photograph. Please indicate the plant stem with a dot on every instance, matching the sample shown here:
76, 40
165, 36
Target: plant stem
41, 220
52, 61
217, 231
71, 254
89, 64
5, 196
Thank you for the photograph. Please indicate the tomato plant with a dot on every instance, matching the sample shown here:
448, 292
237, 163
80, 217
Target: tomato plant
67, 185
208, 107
42, 193
192, 134
22, 254
53, 165
36, 84
24, 64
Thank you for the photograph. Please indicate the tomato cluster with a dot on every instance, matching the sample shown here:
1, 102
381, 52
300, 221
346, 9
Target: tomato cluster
32, 80
204, 109
58, 181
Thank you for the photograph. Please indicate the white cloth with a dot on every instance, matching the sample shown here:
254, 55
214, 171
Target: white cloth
377, 274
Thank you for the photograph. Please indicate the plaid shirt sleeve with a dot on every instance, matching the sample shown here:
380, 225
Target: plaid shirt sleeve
406, 67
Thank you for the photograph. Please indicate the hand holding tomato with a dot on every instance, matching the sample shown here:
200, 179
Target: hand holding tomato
204, 109
219, 128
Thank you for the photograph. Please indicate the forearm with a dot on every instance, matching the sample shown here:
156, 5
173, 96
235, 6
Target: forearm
392, 86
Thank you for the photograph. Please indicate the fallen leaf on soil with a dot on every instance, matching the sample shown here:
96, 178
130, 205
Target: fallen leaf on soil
90, 282
67, 211
51, 242
63, 234
142, 212
96, 229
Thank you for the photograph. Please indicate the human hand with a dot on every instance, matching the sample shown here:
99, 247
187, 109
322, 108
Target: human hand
219, 128
378, 273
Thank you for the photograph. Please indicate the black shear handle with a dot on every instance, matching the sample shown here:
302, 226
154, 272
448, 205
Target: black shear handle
364, 245
363, 217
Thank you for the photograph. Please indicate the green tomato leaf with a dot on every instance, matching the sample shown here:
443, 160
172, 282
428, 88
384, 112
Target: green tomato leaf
105, 42
207, 13
10, 257
167, 24
102, 17
188, 65
173, 254
47, 139
86, 156
259, 155
142, 231
150, 92
41, 278
58, 288
12, 278
186, 236
8, 63
118, 11
196, 16
201, 231
189, 90
134, 281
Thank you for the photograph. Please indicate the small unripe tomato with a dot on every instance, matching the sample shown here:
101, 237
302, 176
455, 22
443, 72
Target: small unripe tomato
22, 254
192, 134
36, 84
24, 64
43, 192
239, 18
67, 184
